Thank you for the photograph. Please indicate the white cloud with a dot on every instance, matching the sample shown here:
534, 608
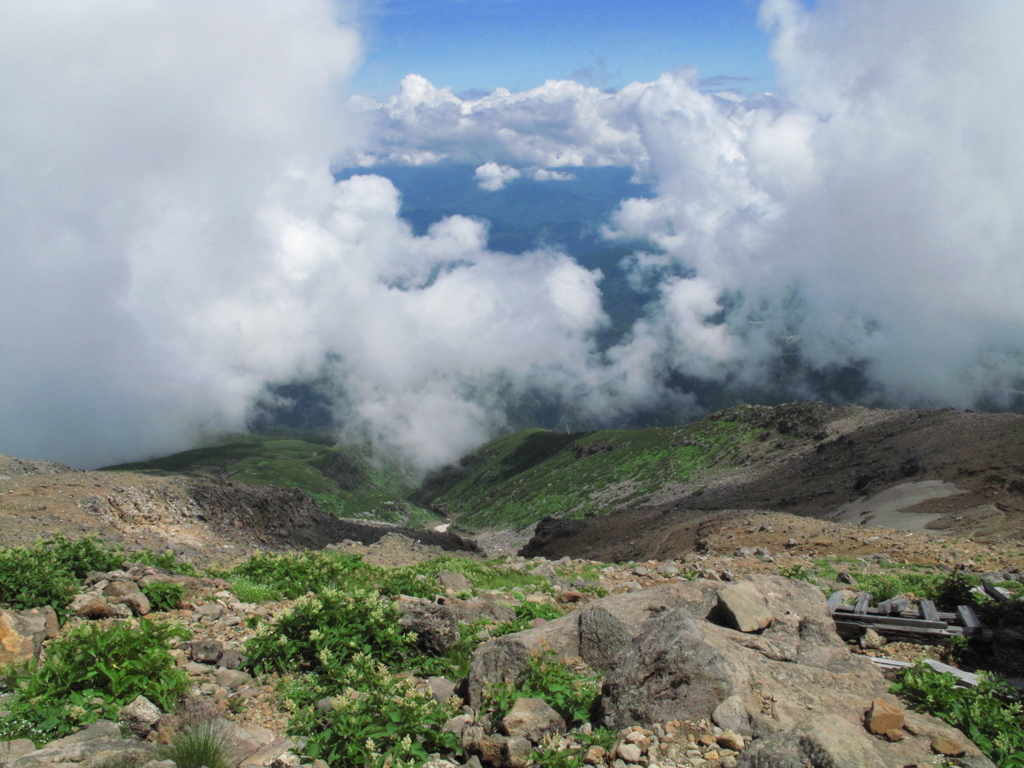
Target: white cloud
543, 174
173, 239
492, 177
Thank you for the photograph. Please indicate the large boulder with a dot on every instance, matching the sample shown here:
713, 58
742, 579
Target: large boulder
596, 633
22, 632
685, 667
436, 626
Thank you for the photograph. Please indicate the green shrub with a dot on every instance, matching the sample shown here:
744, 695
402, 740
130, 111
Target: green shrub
50, 571
570, 693
248, 591
30, 578
294, 574
321, 633
81, 556
375, 719
164, 596
202, 745
90, 673
988, 714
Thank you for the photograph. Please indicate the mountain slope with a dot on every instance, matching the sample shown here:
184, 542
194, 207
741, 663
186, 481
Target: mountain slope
341, 480
518, 478
940, 471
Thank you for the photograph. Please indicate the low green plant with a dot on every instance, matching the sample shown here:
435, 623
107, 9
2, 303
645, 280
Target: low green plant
550, 756
796, 571
90, 673
249, 591
50, 571
991, 715
164, 596
166, 560
29, 578
571, 693
375, 719
322, 632
294, 574
202, 745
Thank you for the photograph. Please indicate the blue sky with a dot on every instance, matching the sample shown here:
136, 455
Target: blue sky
518, 44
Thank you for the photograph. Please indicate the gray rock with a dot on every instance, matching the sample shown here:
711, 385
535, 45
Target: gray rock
206, 651
441, 688
210, 611
12, 750
533, 719
454, 582
436, 626
127, 593
140, 716
484, 606
232, 679
231, 658
684, 668
827, 742
744, 608
90, 605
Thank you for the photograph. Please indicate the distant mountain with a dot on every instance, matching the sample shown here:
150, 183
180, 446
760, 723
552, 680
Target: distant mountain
943, 471
341, 480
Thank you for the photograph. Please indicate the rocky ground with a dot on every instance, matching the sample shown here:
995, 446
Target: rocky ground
736, 549
693, 563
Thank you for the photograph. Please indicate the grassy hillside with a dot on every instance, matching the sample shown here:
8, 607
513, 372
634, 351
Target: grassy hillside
521, 477
340, 479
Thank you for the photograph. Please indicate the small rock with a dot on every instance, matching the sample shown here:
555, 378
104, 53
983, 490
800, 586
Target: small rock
454, 582
731, 740
210, 611
206, 651
744, 607
140, 716
630, 753
944, 745
884, 716
532, 719
232, 679
871, 639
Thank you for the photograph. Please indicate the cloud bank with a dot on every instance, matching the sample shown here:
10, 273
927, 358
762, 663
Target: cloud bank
868, 218
173, 238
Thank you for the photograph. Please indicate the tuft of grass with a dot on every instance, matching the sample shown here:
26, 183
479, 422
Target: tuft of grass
201, 745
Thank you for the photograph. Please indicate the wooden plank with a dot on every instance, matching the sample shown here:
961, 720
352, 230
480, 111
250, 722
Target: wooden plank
863, 601
992, 591
896, 621
967, 677
969, 619
928, 611
834, 601
895, 605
